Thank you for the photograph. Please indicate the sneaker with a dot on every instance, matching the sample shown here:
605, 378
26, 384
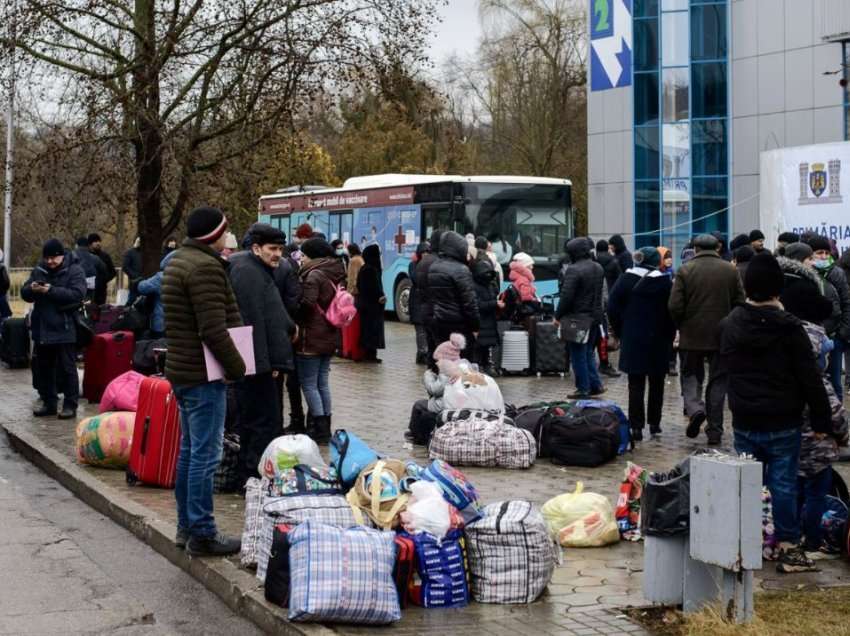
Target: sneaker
67, 414
578, 395
181, 539
598, 391
218, 545
610, 371
45, 411
793, 559
694, 424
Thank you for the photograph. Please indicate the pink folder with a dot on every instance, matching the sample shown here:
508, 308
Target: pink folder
243, 338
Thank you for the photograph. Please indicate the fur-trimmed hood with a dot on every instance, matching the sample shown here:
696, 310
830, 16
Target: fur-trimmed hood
796, 268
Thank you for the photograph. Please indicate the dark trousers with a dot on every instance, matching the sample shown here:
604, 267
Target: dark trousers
637, 391
57, 364
482, 356
693, 380
259, 420
812, 492
293, 391
431, 341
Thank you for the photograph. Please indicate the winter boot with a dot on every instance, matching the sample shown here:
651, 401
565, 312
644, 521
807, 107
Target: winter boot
320, 432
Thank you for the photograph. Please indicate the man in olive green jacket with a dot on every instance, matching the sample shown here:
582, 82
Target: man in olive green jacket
705, 290
199, 309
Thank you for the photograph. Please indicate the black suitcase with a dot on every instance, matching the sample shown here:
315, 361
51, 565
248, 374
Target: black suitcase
15, 343
550, 353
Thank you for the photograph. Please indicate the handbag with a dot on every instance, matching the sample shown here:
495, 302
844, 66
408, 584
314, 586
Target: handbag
576, 329
83, 324
378, 492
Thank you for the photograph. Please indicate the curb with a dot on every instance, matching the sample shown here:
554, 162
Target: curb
235, 587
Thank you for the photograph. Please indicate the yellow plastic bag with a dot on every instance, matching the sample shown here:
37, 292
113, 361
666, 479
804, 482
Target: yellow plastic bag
563, 510
591, 531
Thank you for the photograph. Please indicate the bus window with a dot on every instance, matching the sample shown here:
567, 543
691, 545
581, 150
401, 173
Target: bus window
437, 217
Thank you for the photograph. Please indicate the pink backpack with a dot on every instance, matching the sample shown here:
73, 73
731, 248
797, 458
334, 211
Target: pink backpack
341, 310
122, 394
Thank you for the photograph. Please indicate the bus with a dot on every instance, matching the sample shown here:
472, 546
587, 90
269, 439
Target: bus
397, 211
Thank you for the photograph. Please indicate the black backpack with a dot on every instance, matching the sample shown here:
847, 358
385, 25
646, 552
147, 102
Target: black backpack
581, 437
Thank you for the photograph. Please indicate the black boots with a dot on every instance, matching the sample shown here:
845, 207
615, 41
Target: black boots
219, 545
320, 432
296, 425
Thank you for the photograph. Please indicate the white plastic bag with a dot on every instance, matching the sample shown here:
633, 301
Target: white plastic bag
427, 510
593, 530
473, 390
285, 452
563, 510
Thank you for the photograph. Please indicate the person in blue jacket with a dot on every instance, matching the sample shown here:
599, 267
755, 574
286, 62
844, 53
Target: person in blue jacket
152, 288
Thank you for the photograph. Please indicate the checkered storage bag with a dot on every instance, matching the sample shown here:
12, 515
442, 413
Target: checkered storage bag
227, 474
511, 555
342, 575
256, 492
480, 439
333, 510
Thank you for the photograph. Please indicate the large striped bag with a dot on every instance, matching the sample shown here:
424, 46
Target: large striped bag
344, 576
478, 438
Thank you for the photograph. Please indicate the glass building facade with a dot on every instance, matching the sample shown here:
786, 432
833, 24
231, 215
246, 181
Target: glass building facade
681, 120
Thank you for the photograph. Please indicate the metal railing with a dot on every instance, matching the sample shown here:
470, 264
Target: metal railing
19, 275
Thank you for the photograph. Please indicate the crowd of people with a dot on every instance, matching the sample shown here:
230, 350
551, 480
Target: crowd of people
737, 323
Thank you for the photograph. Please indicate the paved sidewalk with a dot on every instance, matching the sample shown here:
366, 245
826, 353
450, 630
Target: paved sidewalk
375, 402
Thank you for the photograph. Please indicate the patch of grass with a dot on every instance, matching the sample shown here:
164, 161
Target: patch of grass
801, 613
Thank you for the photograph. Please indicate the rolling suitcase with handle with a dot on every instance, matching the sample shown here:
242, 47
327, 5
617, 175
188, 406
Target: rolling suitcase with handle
108, 356
515, 352
15, 343
351, 341
550, 353
156, 436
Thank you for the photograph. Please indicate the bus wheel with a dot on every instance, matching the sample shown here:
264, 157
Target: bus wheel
402, 300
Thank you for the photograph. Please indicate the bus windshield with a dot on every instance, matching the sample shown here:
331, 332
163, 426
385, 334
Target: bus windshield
516, 218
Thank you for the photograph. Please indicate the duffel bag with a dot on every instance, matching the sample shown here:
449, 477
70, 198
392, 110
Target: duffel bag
477, 441
442, 570
330, 509
532, 418
105, 439
606, 410
350, 455
456, 488
145, 355
342, 575
511, 555
379, 495
572, 439
256, 496
122, 393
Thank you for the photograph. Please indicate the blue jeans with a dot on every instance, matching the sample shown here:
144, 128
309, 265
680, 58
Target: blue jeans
813, 491
202, 412
313, 373
779, 454
834, 368
583, 358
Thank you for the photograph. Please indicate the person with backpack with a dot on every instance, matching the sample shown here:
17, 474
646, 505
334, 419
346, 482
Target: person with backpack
321, 273
637, 310
370, 301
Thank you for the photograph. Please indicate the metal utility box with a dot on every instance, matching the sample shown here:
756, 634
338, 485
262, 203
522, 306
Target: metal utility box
726, 512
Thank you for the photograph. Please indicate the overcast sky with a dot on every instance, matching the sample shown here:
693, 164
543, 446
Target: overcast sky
458, 32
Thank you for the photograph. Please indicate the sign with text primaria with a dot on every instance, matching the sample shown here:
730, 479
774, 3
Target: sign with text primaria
610, 44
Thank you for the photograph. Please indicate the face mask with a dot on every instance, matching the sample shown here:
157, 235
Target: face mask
823, 264
340, 252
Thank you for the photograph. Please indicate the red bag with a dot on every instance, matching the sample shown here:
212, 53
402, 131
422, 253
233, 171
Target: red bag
405, 568
351, 341
108, 356
156, 436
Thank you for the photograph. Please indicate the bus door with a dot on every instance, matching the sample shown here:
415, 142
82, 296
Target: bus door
341, 226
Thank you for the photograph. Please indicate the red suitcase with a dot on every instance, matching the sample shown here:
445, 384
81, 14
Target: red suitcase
156, 436
108, 356
405, 568
351, 341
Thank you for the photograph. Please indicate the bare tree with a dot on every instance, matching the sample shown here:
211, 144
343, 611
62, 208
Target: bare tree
190, 85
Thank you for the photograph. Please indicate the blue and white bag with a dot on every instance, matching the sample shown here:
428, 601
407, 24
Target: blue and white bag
441, 566
342, 575
350, 455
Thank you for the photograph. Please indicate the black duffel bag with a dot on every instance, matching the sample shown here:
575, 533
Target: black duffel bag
146, 356
580, 439
666, 501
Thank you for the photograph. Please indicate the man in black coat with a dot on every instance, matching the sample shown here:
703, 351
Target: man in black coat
426, 307
451, 293
610, 265
92, 266
105, 275
251, 275
56, 287
772, 376
132, 267
621, 253
581, 301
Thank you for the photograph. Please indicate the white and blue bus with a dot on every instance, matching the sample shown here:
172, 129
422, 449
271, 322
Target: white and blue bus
397, 211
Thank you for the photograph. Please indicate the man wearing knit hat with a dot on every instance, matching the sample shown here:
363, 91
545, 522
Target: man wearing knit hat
785, 239
828, 271
107, 273
757, 241
199, 309
772, 377
704, 292
56, 287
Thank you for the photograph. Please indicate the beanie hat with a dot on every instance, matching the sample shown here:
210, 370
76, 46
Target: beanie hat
53, 247
523, 259
744, 254
317, 248
82, 241
651, 256
739, 241
304, 231
206, 225
481, 243
706, 242
264, 234
451, 348
798, 251
756, 235
601, 246
764, 279
818, 242
94, 237
789, 237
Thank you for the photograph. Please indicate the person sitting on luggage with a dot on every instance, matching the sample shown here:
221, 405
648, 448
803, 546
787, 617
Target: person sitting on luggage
151, 288
486, 287
56, 287
447, 355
